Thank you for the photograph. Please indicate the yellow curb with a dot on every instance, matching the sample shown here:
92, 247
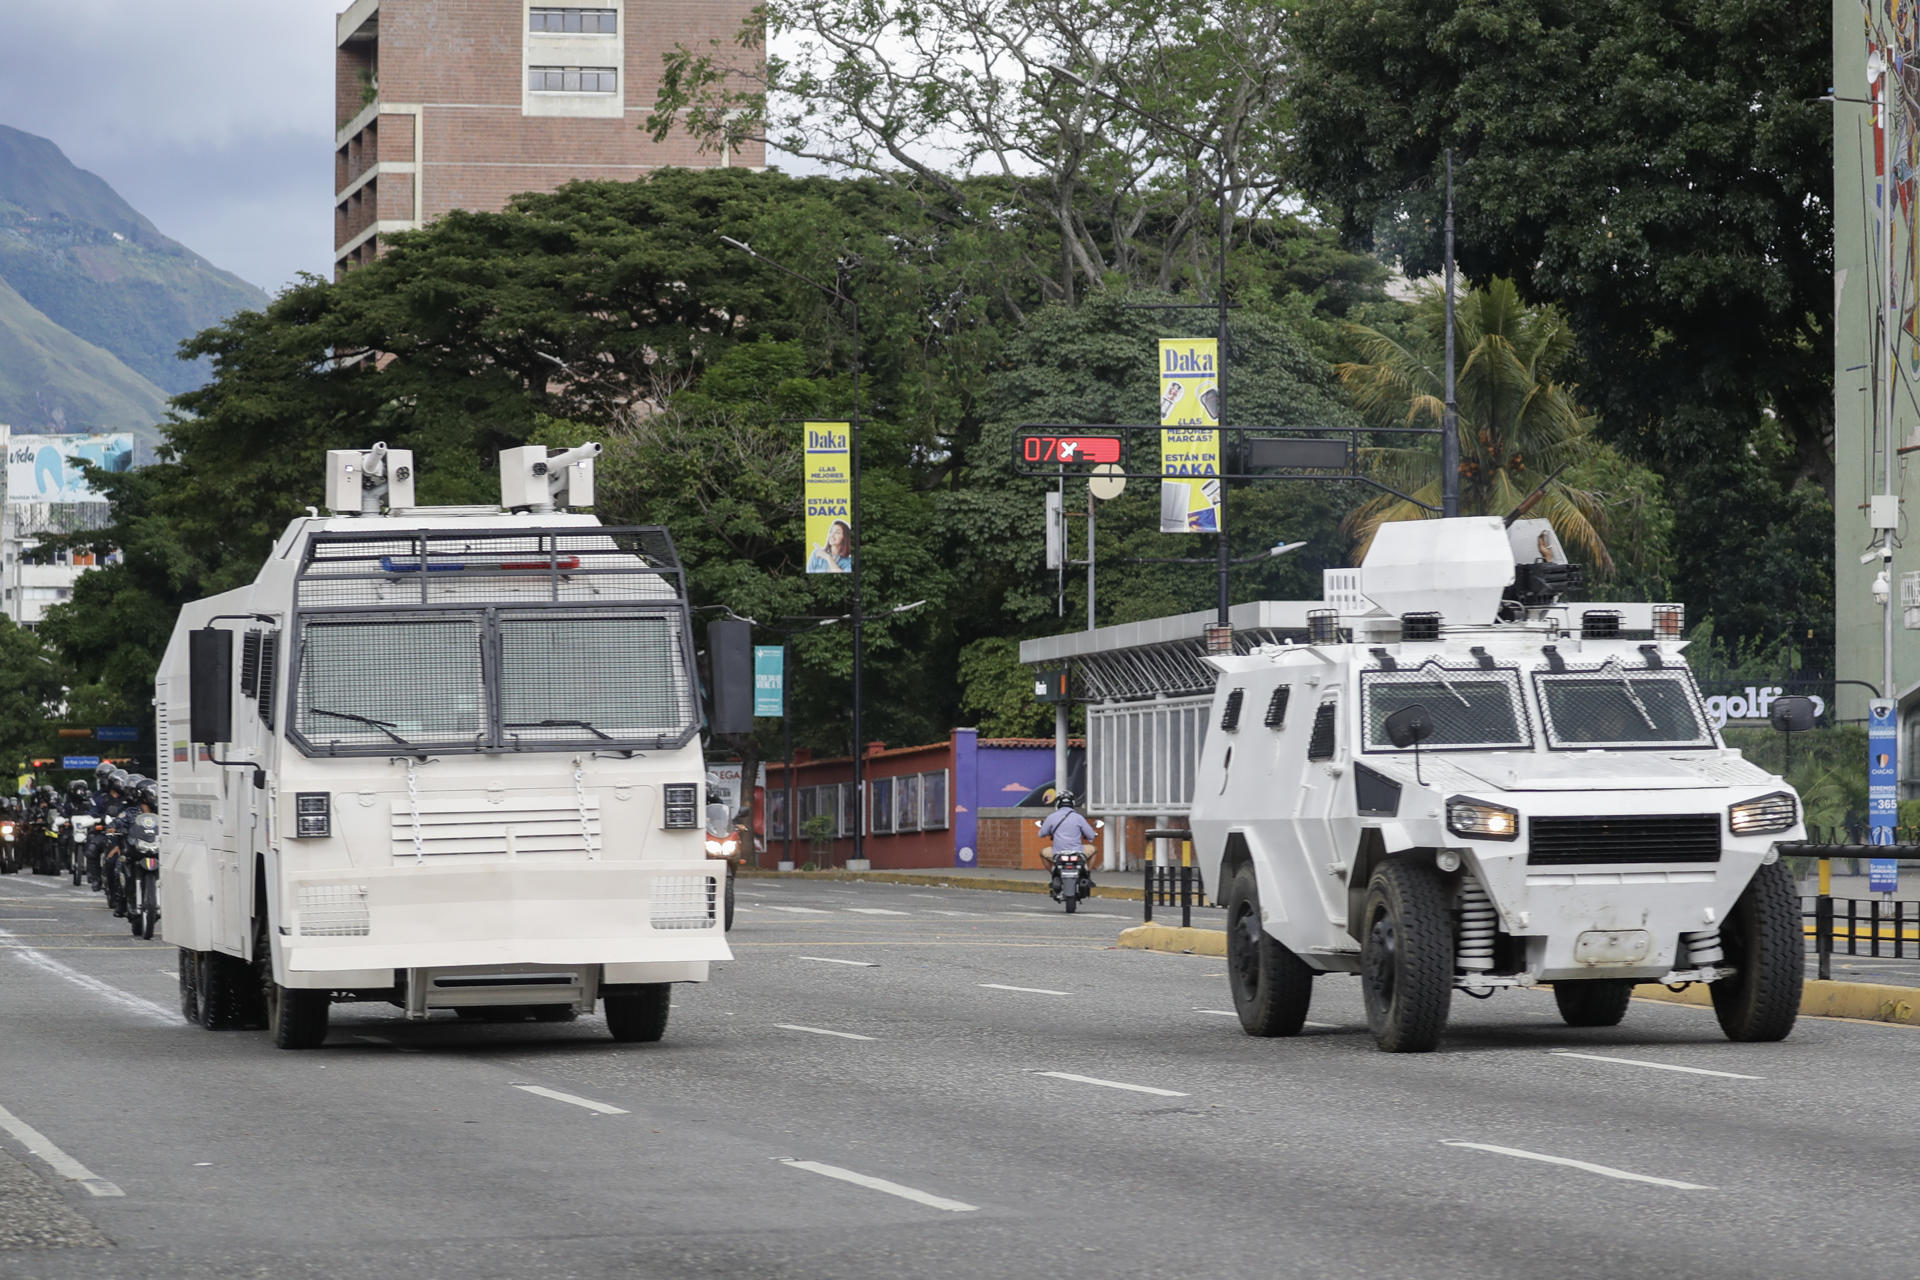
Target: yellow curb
934, 881
1168, 937
1860, 1001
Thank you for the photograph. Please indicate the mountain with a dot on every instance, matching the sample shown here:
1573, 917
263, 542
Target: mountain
84, 260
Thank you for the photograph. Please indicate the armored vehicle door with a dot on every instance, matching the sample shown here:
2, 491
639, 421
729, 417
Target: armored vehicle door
1327, 828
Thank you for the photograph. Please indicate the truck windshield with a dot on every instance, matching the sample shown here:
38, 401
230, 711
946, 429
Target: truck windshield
1614, 706
367, 682
1469, 708
602, 678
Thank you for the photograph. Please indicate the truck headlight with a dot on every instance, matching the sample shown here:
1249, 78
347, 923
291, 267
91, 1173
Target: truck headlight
1478, 820
312, 815
682, 807
1775, 812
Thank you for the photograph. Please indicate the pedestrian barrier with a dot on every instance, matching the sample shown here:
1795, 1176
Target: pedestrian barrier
1169, 884
1875, 927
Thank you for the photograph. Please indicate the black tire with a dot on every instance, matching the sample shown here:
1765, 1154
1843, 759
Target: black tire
190, 986
224, 982
1406, 956
1763, 942
1597, 1002
638, 1014
296, 1018
728, 924
1072, 902
78, 868
149, 905
1272, 987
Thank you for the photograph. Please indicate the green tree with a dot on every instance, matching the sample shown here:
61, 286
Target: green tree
31, 693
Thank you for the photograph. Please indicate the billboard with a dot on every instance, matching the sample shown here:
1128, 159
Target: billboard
829, 483
47, 468
1190, 455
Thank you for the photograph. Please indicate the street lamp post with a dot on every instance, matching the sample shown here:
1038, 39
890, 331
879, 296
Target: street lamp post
859, 539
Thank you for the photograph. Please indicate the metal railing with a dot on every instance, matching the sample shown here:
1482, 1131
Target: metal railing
1168, 883
1873, 927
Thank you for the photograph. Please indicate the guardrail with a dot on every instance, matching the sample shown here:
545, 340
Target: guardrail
1888, 927
1168, 884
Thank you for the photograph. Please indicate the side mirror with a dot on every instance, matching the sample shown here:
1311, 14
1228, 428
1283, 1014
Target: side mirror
1793, 714
1411, 726
210, 685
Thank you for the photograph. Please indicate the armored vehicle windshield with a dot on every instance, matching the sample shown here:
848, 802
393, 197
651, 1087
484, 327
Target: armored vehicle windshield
1612, 706
1471, 708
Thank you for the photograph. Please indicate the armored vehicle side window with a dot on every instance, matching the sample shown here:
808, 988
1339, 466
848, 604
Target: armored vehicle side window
1230, 717
1471, 708
1320, 745
1616, 706
1277, 707
367, 682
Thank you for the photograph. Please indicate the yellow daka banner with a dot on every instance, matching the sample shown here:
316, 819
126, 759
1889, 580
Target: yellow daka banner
1190, 454
829, 483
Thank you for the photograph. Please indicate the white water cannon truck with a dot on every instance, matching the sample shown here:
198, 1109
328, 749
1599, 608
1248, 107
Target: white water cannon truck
446, 757
1456, 784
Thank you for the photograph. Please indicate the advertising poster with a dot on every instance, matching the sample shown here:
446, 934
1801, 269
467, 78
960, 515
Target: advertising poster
1190, 451
769, 677
829, 481
1883, 791
47, 468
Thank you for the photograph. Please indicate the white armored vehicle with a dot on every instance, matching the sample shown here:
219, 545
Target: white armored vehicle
456, 765
1457, 785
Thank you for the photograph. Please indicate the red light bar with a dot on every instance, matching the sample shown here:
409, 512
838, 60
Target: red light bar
1070, 449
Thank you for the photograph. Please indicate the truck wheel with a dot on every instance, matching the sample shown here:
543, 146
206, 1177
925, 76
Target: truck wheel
296, 1018
638, 1014
1406, 956
218, 985
1598, 1002
190, 986
1764, 946
1272, 987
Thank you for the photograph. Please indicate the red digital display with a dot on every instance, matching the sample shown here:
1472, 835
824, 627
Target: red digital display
1070, 449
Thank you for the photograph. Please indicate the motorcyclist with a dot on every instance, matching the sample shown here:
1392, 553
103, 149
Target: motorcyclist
119, 804
145, 797
47, 820
97, 841
79, 802
1070, 833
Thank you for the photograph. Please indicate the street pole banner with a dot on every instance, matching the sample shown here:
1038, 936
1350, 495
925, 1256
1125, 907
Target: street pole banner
829, 483
1190, 455
769, 679
1883, 791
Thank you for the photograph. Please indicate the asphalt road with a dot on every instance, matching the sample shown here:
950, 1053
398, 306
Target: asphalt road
902, 1082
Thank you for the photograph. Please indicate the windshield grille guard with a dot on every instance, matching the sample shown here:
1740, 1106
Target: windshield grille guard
352, 569
1638, 679
1434, 672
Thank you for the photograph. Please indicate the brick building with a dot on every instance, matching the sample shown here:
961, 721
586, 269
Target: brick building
460, 104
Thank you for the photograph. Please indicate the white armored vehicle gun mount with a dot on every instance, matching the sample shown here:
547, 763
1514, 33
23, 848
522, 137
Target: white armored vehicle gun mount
1455, 784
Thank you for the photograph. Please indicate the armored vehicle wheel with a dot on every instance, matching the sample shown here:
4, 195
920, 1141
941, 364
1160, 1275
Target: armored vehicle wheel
1600, 1002
1763, 943
190, 985
1406, 956
1272, 987
219, 986
296, 1018
638, 1014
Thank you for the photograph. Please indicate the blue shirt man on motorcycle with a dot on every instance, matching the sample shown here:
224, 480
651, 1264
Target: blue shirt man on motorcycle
1070, 833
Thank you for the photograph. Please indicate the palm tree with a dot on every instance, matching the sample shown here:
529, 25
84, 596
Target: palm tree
1517, 424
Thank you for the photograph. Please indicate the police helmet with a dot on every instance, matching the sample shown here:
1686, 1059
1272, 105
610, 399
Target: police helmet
79, 789
118, 781
148, 792
101, 772
1065, 800
46, 793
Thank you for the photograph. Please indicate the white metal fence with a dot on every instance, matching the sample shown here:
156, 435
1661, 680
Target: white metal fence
1141, 756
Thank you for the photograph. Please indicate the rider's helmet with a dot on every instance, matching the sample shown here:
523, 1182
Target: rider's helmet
79, 791
147, 792
118, 782
101, 772
46, 793
1065, 800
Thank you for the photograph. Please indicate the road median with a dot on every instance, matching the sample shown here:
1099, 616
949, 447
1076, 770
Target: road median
935, 880
1861, 1001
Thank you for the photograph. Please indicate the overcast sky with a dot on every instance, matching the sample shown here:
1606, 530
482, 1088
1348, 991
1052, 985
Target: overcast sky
209, 116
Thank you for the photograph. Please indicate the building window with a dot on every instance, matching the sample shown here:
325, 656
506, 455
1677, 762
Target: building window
933, 801
777, 815
565, 21
882, 808
906, 807
572, 79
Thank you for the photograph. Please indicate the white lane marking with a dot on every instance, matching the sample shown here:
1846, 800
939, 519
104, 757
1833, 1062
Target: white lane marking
1113, 1084
877, 911
1032, 991
1305, 1022
1657, 1066
1605, 1171
820, 1031
38, 884
881, 1184
38, 1144
972, 915
600, 1108
125, 999
858, 964
801, 911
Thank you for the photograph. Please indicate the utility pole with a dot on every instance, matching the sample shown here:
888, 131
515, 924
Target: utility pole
1450, 417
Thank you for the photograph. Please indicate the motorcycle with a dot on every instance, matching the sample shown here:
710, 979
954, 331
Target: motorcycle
46, 845
1072, 881
142, 856
723, 842
80, 833
9, 846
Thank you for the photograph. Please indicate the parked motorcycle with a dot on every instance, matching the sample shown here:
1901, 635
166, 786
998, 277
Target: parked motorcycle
142, 856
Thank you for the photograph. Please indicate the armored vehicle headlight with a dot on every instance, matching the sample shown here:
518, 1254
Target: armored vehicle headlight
1478, 820
1775, 812
682, 807
312, 815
